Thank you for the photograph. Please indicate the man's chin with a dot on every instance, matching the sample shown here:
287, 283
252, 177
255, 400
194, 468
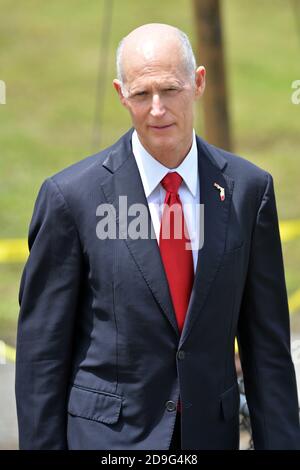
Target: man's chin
161, 146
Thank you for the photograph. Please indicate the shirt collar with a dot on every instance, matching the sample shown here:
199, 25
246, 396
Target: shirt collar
152, 171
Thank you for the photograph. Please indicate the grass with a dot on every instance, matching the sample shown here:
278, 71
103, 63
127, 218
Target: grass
50, 60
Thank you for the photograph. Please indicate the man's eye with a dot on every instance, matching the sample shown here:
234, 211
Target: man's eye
141, 93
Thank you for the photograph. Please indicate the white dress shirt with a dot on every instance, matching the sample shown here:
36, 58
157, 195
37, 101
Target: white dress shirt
152, 172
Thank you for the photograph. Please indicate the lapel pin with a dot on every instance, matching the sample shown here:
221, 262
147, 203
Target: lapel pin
222, 191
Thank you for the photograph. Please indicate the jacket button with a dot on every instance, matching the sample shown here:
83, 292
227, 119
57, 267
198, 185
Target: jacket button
181, 355
171, 405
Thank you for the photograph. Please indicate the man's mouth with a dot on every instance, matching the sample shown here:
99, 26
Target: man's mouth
161, 128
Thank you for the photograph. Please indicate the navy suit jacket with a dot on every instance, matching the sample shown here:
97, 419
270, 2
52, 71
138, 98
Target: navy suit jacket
100, 361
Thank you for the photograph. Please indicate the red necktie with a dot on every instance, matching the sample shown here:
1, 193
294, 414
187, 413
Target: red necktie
176, 256
177, 259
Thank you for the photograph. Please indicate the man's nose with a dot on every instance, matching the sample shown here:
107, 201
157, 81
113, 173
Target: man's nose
157, 107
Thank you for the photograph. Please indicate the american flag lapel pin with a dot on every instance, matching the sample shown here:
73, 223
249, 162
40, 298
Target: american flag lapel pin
222, 191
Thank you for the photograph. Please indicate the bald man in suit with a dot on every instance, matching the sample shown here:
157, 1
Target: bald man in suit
126, 334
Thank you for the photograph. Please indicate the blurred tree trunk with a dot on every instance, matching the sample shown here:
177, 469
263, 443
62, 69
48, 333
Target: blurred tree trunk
210, 53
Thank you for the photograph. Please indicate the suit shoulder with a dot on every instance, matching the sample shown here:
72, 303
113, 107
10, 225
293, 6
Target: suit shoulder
86, 171
236, 166
83, 167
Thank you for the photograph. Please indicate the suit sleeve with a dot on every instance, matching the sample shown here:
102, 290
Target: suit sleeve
48, 300
264, 337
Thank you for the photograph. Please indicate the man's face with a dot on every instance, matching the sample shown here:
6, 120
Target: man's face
160, 96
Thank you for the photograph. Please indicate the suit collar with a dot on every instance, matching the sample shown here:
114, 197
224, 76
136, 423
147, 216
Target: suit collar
152, 171
212, 153
119, 153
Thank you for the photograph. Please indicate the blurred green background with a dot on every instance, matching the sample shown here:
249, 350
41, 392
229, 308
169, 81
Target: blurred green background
49, 59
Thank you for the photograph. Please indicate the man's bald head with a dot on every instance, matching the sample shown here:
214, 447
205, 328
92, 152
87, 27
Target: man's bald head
148, 41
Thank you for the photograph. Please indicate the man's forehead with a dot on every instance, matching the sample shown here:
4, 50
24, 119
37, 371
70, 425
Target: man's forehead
147, 50
151, 47
147, 61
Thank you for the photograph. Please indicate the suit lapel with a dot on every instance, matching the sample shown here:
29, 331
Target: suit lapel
216, 214
124, 180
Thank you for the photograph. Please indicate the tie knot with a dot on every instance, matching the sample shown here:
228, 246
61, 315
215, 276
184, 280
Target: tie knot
171, 182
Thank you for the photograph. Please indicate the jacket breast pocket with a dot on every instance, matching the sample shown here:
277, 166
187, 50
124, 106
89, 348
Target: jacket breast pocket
94, 405
230, 402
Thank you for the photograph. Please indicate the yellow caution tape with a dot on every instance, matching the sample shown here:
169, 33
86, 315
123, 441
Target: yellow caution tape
294, 301
7, 353
289, 230
13, 250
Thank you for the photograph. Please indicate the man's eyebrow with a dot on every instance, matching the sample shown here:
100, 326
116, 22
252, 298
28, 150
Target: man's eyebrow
137, 87
136, 91
145, 88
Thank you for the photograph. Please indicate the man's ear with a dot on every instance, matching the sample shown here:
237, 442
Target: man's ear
118, 87
200, 81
